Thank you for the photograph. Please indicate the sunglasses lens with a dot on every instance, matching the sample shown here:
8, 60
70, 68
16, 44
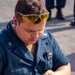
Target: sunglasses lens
44, 17
30, 18
34, 17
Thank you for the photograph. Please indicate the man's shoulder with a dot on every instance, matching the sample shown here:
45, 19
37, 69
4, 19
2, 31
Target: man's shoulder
48, 38
3, 35
47, 35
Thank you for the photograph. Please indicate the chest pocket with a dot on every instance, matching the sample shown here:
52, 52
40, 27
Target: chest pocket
49, 56
21, 71
45, 56
45, 63
48, 53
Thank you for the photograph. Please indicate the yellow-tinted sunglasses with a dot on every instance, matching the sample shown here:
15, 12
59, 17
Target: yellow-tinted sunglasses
34, 17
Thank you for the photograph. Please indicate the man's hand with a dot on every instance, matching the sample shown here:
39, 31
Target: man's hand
49, 72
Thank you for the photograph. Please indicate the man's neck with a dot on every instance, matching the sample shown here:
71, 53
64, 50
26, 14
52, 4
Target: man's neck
32, 49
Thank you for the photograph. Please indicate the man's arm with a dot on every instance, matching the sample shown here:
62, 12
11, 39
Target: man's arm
63, 70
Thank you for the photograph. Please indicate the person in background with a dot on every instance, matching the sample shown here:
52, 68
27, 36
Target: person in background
73, 21
50, 4
26, 48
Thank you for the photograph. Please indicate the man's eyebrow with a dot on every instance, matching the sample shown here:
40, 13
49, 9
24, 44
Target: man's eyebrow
33, 30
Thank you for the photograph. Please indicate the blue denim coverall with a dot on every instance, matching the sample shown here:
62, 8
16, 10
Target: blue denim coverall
15, 59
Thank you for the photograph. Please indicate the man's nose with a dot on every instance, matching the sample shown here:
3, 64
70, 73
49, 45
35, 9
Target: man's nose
35, 34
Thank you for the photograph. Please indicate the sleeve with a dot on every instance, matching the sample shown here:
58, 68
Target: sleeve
2, 57
59, 58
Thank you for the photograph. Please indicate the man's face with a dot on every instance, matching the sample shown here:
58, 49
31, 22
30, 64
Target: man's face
29, 32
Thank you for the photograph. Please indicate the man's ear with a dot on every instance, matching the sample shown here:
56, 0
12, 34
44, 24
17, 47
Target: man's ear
15, 20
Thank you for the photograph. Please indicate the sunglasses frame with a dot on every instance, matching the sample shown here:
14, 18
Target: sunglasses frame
39, 16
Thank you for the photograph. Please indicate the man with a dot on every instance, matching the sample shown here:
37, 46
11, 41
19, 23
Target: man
59, 5
26, 48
